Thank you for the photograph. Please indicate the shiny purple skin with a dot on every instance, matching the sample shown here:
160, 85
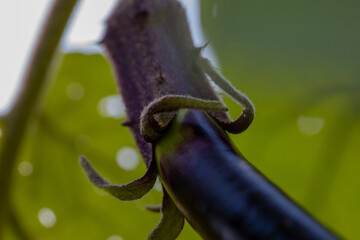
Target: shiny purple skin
221, 194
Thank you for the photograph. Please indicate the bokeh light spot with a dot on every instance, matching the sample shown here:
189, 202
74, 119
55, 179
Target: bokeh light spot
127, 158
215, 11
100, 192
25, 168
310, 125
75, 91
158, 185
112, 106
114, 237
47, 217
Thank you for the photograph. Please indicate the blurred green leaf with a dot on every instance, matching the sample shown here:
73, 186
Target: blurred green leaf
71, 125
296, 61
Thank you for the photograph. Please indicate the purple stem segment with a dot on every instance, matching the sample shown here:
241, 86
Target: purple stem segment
151, 48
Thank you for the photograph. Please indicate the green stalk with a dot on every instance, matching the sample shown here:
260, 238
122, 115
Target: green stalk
34, 80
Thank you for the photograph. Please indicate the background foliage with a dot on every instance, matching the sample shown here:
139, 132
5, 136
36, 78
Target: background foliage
297, 61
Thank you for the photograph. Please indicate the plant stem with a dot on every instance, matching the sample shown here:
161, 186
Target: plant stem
27, 102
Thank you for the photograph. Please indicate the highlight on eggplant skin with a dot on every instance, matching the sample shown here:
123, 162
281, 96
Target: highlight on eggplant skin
221, 194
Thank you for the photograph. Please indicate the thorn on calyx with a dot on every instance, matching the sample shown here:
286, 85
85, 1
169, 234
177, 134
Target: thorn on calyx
205, 45
198, 50
127, 123
101, 41
153, 208
160, 78
142, 14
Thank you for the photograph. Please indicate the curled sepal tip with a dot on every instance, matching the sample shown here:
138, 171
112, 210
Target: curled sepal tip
247, 116
171, 222
150, 127
127, 192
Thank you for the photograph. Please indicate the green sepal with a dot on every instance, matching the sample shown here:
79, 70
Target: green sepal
171, 222
151, 129
127, 192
